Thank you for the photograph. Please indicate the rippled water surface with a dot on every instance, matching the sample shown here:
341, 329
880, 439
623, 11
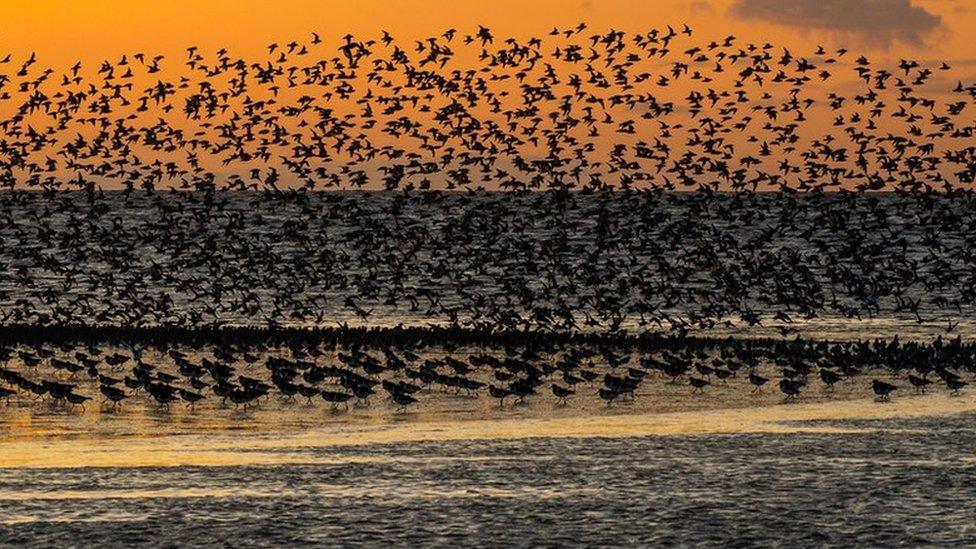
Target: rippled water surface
869, 482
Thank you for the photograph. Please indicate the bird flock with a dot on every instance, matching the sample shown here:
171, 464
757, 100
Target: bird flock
573, 108
249, 374
681, 185
768, 264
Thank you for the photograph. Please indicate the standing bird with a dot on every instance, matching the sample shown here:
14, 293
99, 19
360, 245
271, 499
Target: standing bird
112, 394
955, 385
699, 384
757, 381
562, 393
402, 400
883, 390
829, 378
790, 388
500, 393
608, 395
920, 383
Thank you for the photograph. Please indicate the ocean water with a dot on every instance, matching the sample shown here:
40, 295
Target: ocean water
854, 483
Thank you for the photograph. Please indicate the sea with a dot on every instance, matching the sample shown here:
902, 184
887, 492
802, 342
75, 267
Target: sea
878, 483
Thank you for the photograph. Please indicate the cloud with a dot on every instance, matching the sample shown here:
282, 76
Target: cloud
880, 21
698, 7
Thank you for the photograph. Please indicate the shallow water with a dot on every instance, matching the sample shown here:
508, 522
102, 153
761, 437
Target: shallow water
26, 417
893, 480
668, 466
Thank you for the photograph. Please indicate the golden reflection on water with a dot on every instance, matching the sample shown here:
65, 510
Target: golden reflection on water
257, 446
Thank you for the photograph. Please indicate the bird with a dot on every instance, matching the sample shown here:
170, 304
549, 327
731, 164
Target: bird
698, 384
500, 393
955, 385
790, 388
336, 398
757, 382
403, 400
829, 378
882, 389
112, 394
75, 399
562, 393
190, 397
608, 395
920, 383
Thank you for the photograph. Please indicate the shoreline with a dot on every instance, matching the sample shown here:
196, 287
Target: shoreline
400, 334
265, 448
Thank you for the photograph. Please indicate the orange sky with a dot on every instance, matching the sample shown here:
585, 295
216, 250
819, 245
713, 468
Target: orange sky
65, 30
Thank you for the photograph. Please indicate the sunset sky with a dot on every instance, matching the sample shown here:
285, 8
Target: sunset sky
65, 30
